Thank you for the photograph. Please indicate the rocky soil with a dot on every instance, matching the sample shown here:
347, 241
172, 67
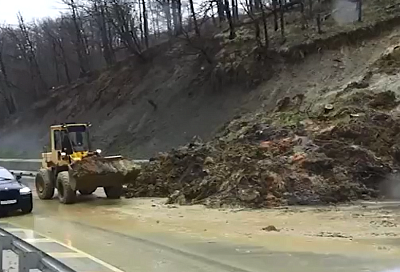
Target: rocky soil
340, 148
92, 169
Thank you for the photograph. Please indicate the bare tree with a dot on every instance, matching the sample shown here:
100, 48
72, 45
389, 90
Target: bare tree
275, 13
57, 46
79, 42
145, 24
265, 27
232, 34
5, 84
99, 15
282, 19
196, 26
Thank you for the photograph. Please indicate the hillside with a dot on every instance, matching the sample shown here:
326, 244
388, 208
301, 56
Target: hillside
338, 144
141, 107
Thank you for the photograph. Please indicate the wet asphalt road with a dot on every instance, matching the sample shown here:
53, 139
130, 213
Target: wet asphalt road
91, 227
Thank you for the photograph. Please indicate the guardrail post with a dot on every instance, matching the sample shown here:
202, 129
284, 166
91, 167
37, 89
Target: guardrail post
5, 243
27, 261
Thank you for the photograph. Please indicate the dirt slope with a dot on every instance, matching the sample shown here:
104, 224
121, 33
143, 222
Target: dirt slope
330, 146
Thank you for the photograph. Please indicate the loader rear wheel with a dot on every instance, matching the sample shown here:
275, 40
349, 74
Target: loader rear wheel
87, 192
44, 184
114, 192
65, 193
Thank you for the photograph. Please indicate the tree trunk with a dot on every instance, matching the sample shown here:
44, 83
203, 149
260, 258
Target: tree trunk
179, 6
236, 10
319, 23
232, 34
174, 16
58, 78
3, 66
274, 7
140, 23
196, 27
8, 96
282, 18
264, 19
233, 10
108, 53
257, 32
145, 25
64, 57
30, 56
221, 9
158, 24
167, 11
79, 41
250, 5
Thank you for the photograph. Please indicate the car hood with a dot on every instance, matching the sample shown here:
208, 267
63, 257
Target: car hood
10, 184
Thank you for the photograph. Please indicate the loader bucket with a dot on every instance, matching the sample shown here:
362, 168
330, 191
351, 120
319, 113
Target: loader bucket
92, 172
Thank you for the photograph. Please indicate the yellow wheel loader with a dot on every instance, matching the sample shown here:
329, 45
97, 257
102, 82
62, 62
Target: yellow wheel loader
71, 166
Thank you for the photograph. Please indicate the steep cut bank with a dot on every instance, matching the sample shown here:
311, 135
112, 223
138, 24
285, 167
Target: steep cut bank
340, 146
139, 108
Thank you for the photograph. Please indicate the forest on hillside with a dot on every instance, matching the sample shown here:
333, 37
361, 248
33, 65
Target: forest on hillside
37, 56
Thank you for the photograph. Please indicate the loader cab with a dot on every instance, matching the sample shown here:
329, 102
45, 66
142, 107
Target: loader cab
71, 140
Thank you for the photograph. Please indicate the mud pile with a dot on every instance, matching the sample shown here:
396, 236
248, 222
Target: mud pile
389, 62
339, 152
92, 168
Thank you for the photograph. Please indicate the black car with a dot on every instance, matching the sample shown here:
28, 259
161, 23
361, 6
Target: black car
13, 194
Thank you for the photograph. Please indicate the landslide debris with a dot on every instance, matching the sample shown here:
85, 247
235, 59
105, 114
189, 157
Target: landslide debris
93, 168
340, 152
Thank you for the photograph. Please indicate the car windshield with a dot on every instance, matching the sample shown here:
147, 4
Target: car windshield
5, 174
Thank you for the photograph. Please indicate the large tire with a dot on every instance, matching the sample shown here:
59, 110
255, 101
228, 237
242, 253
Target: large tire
65, 193
44, 184
87, 192
114, 192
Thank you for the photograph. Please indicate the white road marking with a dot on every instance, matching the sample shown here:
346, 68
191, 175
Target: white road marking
76, 251
62, 255
37, 240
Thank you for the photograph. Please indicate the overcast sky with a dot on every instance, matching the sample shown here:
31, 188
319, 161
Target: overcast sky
29, 9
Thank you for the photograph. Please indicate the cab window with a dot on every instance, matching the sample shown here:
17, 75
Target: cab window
57, 140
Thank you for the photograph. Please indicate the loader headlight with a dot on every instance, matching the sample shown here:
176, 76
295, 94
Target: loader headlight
63, 154
98, 151
25, 191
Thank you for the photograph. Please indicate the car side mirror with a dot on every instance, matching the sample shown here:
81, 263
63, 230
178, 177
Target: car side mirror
18, 177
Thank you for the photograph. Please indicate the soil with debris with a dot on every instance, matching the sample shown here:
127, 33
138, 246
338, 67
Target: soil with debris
93, 168
340, 152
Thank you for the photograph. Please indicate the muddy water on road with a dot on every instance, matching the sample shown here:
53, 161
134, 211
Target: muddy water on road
145, 235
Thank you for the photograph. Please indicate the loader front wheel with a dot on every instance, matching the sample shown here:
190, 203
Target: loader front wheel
44, 184
113, 192
65, 193
87, 192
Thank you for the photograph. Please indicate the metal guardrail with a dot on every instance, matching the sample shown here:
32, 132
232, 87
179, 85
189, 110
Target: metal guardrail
29, 257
